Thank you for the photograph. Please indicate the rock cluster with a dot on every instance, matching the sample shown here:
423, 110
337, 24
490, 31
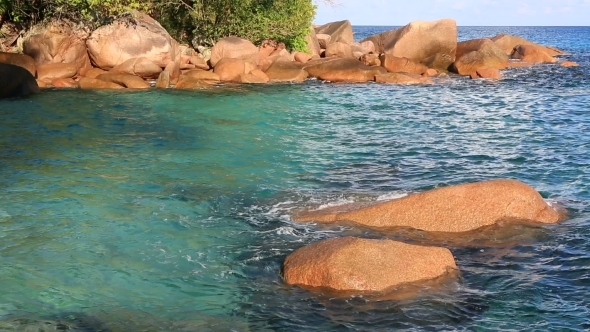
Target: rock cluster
136, 47
376, 265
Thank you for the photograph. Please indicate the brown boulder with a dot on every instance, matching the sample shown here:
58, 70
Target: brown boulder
93, 83
142, 67
457, 208
68, 83
51, 71
234, 48
58, 42
353, 264
399, 78
93, 72
430, 72
339, 50
401, 65
476, 54
21, 60
134, 36
199, 62
252, 79
230, 69
127, 80
370, 59
189, 83
507, 43
285, 71
569, 64
323, 40
472, 61
163, 81
532, 53
202, 75
487, 73
343, 70
312, 42
439, 61
418, 40
301, 57
16, 81
260, 74
340, 31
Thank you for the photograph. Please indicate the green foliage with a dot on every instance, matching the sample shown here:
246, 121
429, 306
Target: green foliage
199, 21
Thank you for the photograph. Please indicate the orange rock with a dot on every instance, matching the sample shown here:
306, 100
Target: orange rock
340, 31
457, 208
338, 49
312, 42
126, 80
323, 40
532, 53
401, 65
439, 61
230, 69
199, 62
21, 60
69, 83
487, 73
163, 81
430, 72
342, 70
569, 64
370, 59
260, 74
251, 79
507, 43
301, 57
285, 71
51, 71
353, 264
399, 78
93, 83
189, 83
234, 48
204, 75
93, 72
142, 67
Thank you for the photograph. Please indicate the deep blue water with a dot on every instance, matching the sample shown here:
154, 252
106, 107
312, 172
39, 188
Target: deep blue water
170, 210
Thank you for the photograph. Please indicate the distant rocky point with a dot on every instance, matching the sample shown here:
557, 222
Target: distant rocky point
61, 56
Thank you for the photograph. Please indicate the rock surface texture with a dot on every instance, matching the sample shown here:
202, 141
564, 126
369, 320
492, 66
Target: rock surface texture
457, 208
16, 81
353, 264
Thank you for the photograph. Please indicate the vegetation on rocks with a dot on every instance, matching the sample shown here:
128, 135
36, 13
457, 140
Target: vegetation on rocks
201, 22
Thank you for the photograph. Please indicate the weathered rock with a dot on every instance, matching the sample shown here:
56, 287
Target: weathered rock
312, 42
127, 80
260, 74
507, 43
430, 72
285, 71
163, 81
87, 83
532, 53
21, 60
401, 65
353, 264
199, 62
189, 83
473, 61
51, 71
323, 40
418, 40
16, 81
340, 32
362, 50
58, 42
439, 61
135, 36
370, 59
251, 79
343, 70
229, 69
234, 48
142, 67
301, 57
569, 64
487, 73
368, 45
67, 83
202, 75
339, 50
457, 208
492, 55
93, 72
399, 78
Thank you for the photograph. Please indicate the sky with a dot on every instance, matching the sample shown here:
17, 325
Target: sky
465, 12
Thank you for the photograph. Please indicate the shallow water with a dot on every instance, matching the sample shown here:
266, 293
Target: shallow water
168, 210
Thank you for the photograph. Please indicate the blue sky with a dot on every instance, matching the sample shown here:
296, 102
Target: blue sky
465, 12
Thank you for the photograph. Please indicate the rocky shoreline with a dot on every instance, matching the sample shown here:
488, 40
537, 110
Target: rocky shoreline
136, 52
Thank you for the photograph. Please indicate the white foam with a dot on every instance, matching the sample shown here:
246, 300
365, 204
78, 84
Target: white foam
391, 196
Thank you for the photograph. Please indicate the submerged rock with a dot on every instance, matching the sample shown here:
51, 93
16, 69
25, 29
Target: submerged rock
508, 42
21, 60
457, 208
16, 81
353, 264
532, 53
478, 54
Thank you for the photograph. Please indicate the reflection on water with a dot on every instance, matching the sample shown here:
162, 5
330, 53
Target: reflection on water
167, 210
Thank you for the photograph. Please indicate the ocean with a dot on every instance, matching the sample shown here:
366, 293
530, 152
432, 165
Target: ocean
170, 210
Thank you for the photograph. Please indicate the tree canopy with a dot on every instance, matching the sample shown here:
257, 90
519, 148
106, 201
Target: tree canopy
201, 22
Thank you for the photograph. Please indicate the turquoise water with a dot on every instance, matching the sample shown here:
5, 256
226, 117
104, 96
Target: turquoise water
169, 211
